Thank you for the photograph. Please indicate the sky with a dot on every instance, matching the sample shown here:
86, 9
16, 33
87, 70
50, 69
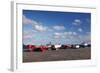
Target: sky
43, 27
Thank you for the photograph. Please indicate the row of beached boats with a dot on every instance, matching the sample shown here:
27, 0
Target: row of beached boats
42, 48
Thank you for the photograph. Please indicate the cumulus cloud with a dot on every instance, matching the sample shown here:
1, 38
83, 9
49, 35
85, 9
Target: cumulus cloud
80, 29
77, 22
26, 20
40, 28
57, 35
73, 37
74, 33
62, 35
70, 33
58, 27
36, 25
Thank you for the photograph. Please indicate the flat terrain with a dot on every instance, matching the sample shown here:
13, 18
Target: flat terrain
57, 55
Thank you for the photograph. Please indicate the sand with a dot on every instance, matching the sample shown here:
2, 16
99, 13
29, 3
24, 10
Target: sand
57, 55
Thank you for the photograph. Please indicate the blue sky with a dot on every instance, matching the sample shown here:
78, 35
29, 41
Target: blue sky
42, 27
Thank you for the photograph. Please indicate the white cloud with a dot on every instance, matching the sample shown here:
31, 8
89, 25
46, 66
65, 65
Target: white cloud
72, 37
74, 33
84, 38
36, 25
40, 28
27, 34
27, 37
57, 35
26, 20
77, 22
69, 34
80, 29
59, 27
